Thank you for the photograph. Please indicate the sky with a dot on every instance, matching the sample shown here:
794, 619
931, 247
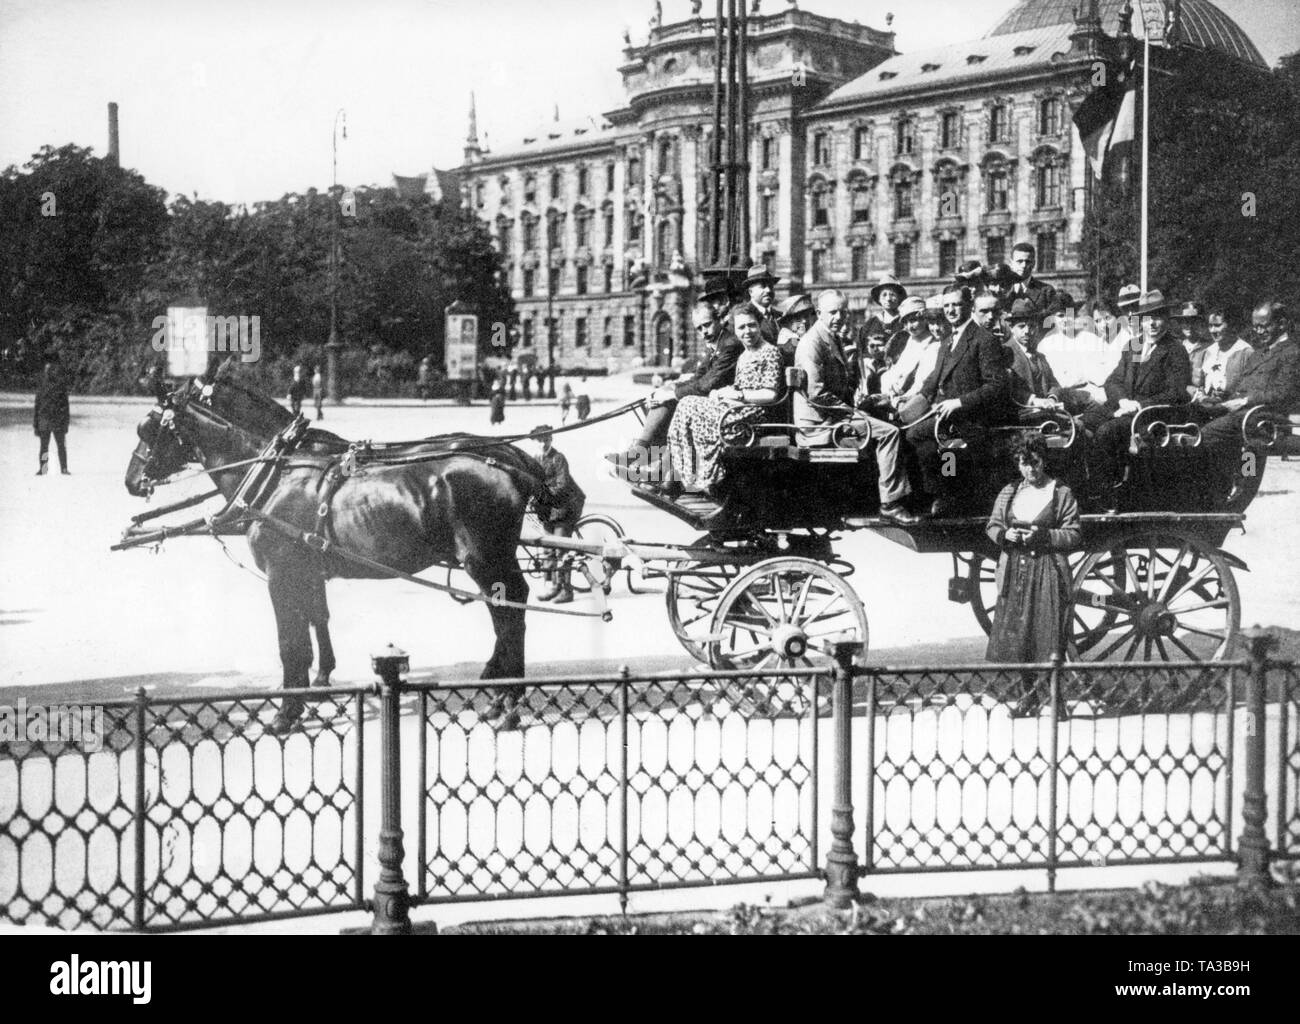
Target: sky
237, 99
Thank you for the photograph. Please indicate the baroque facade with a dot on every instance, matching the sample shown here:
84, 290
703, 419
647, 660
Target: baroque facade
863, 161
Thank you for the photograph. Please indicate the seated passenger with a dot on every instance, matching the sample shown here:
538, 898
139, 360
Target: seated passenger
1158, 374
1034, 386
795, 315
695, 438
969, 385
1224, 360
872, 366
828, 399
901, 383
1270, 376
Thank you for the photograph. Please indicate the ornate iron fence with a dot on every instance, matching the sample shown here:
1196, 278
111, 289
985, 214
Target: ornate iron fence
1287, 677
188, 814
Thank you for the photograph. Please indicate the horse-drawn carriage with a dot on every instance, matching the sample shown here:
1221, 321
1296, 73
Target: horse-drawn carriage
761, 587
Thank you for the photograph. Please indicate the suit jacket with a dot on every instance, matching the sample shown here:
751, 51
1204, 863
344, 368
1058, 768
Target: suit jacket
52, 412
1161, 380
971, 367
560, 497
717, 371
832, 380
1032, 376
1041, 294
1271, 377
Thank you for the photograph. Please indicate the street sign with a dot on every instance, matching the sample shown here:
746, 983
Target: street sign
462, 345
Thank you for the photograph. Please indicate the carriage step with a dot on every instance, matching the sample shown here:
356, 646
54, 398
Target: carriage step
696, 509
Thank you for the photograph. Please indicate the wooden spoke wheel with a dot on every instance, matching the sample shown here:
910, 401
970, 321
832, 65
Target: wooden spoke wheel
1161, 595
784, 613
594, 529
983, 589
694, 590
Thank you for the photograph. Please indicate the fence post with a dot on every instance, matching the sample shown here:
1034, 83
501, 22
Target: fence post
391, 910
842, 860
1252, 848
1054, 766
137, 897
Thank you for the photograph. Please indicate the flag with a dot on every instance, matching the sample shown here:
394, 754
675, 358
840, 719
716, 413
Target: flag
1107, 119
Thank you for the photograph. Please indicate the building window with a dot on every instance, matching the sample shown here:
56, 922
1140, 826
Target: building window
821, 212
530, 189
769, 261
629, 331
582, 280
947, 257
666, 162
1047, 186
583, 177
950, 130
861, 143
949, 186
904, 137
530, 232
861, 205
580, 332
859, 263
996, 250
608, 338
766, 211
818, 267
903, 260
634, 222
609, 228
666, 243
553, 280
1049, 116
767, 153
609, 177
902, 200
582, 223
998, 122
503, 238
530, 279
1047, 250
821, 149
998, 193
556, 184
527, 338
633, 171
478, 195
609, 277
554, 239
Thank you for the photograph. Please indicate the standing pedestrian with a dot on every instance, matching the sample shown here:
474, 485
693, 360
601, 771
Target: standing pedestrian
318, 393
297, 391
1036, 524
498, 404
583, 400
422, 374
52, 414
566, 400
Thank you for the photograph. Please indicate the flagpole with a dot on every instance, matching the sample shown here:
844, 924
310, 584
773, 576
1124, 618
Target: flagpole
1146, 145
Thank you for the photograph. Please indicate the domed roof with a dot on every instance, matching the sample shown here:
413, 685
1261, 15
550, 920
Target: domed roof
1203, 24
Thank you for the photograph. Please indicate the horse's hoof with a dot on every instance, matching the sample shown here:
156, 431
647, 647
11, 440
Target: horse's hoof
510, 723
282, 725
495, 709
321, 682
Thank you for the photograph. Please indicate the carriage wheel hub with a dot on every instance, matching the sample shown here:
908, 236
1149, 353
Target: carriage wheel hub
1156, 620
789, 642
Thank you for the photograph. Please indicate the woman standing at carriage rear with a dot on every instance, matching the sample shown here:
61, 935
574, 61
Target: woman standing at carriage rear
1036, 523
695, 437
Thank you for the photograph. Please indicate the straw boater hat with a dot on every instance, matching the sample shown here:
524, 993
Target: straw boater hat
1129, 297
887, 281
759, 274
1188, 311
794, 306
1154, 301
914, 306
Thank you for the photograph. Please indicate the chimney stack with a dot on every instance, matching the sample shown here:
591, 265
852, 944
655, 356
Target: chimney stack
113, 155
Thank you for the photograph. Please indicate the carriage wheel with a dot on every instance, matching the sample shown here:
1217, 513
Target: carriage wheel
692, 597
1177, 600
784, 612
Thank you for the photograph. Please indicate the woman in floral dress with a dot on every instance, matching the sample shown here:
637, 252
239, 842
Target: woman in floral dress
695, 438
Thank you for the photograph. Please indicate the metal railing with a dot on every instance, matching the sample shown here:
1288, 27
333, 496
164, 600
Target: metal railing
193, 815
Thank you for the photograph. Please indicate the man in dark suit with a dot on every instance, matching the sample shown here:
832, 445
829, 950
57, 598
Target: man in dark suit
52, 415
969, 385
645, 460
827, 399
1156, 372
761, 288
1040, 293
1269, 376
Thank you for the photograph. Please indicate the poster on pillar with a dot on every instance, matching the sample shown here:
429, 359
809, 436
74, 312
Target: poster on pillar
462, 345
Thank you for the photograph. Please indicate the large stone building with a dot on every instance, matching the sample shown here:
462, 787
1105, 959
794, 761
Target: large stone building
863, 161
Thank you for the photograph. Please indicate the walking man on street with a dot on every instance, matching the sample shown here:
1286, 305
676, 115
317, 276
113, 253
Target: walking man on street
52, 414
559, 506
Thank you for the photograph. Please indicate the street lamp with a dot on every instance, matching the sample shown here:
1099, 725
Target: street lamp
333, 345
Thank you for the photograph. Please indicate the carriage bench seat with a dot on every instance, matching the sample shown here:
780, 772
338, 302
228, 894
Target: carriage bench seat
799, 453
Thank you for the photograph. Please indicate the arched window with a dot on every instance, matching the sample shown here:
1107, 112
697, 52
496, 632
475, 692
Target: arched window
530, 231
861, 202
665, 243
1049, 115
530, 189
554, 230
667, 155
903, 194
948, 191
557, 184
821, 205
1047, 186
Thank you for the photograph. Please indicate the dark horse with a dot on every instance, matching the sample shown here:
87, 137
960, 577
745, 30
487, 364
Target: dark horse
438, 506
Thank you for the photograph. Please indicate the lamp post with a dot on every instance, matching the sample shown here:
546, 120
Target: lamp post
550, 327
333, 345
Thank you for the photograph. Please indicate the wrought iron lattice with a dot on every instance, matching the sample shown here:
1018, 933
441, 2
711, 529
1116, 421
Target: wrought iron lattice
979, 769
617, 785
191, 814
1288, 770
